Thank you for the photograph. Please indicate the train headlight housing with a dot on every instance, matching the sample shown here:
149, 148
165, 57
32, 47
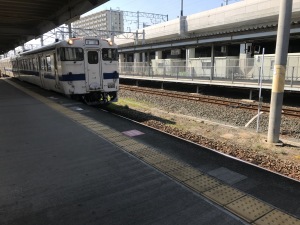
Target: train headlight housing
70, 42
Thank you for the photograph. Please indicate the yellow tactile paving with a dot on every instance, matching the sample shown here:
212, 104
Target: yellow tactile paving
223, 194
145, 152
169, 165
112, 134
184, 173
154, 159
249, 208
125, 143
119, 138
135, 147
202, 183
99, 129
277, 217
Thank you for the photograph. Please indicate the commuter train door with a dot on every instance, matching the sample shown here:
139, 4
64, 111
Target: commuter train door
93, 71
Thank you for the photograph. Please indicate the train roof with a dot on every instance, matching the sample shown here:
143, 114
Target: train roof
41, 49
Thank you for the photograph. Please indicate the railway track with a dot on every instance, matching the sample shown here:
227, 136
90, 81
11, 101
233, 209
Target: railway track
211, 100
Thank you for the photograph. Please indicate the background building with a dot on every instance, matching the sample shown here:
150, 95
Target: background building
100, 24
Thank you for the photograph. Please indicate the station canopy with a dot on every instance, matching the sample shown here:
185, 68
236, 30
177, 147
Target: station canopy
22, 21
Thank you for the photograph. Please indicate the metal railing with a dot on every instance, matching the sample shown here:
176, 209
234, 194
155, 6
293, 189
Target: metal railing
234, 71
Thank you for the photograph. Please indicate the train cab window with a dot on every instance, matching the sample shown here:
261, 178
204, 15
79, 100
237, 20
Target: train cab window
48, 63
71, 54
109, 54
93, 57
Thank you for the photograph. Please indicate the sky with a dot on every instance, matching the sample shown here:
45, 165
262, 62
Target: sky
171, 8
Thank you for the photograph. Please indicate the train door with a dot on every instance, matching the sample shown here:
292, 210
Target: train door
57, 84
41, 68
93, 70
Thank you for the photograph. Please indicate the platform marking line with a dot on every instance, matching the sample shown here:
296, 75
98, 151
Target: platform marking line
277, 217
223, 194
244, 206
249, 208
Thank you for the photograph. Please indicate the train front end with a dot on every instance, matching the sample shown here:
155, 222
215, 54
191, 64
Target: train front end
101, 71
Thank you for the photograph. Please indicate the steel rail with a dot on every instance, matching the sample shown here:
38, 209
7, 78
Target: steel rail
211, 100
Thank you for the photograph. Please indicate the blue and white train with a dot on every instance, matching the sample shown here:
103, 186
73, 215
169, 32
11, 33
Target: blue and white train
79, 67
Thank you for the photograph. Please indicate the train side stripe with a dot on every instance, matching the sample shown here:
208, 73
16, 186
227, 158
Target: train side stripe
114, 75
73, 77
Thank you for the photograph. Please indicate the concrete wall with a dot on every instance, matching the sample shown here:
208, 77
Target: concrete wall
244, 13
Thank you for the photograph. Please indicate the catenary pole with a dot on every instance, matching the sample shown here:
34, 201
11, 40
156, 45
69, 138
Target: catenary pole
282, 44
181, 12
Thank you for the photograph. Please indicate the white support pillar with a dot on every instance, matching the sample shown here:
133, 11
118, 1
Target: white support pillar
136, 63
158, 55
144, 57
190, 53
212, 62
136, 57
121, 61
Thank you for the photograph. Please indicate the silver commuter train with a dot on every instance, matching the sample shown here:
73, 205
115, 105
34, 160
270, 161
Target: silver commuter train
80, 67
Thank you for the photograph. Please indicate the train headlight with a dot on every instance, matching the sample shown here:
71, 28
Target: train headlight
70, 42
110, 43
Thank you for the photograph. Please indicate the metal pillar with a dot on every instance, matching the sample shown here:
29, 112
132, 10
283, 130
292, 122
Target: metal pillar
42, 40
181, 12
250, 95
282, 43
212, 73
70, 30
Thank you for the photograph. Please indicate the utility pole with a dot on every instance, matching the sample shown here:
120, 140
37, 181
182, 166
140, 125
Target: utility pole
282, 44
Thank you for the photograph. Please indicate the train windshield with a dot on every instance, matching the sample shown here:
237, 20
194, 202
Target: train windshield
109, 54
71, 54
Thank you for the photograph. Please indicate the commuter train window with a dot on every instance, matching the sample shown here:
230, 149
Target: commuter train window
43, 67
71, 54
93, 57
34, 64
48, 61
109, 54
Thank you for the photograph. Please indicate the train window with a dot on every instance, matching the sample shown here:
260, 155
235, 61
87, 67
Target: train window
34, 64
71, 54
93, 57
43, 67
48, 61
109, 54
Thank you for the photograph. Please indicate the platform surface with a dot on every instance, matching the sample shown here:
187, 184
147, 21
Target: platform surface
62, 162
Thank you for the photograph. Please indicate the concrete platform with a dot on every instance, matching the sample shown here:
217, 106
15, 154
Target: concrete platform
62, 162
